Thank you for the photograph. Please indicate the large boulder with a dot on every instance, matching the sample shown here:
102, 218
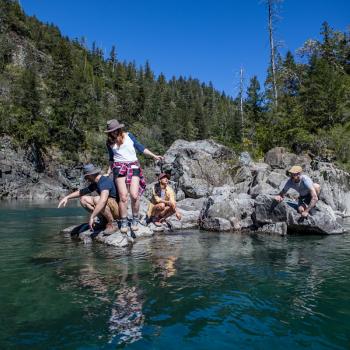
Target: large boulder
279, 157
189, 220
198, 167
225, 210
335, 185
320, 221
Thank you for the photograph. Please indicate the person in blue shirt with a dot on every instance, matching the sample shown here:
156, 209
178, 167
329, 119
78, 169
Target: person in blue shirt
307, 189
106, 201
127, 173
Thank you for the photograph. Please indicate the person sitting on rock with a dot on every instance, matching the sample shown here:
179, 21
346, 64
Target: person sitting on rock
307, 189
105, 203
163, 203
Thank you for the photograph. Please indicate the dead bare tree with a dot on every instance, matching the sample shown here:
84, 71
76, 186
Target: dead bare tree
271, 8
241, 100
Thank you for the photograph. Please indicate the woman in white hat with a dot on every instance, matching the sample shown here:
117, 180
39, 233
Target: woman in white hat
127, 173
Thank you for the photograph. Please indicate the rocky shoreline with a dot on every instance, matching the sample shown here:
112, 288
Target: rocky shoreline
216, 189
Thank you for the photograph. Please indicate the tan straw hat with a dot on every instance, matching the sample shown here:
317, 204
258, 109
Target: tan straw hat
295, 169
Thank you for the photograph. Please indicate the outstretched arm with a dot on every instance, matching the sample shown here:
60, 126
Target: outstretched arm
64, 200
280, 196
147, 152
142, 149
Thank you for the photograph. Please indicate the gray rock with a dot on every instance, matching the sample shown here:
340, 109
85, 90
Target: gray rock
233, 208
243, 174
116, 239
189, 220
245, 159
29, 174
322, 220
216, 224
279, 157
195, 188
190, 204
279, 228
275, 179
262, 188
199, 166
180, 195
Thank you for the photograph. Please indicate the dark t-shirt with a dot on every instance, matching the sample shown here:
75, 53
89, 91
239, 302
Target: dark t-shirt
105, 183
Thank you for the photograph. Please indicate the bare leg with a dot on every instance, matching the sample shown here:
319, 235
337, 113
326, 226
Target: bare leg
317, 188
87, 202
157, 209
123, 195
134, 194
167, 212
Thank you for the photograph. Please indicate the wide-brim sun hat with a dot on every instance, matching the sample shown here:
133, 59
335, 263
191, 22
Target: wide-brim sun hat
161, 175
90, 169
113, 125
295, 169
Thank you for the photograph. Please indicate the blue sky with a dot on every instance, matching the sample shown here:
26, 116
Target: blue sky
208, 40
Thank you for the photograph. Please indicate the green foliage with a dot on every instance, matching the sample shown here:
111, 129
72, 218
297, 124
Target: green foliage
60, 94
313, 100
64, 93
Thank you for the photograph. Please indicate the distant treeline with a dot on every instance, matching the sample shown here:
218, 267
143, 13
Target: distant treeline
57, 93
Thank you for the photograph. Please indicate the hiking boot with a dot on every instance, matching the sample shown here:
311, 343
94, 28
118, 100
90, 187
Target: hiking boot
135, 223
124, 225
110, 228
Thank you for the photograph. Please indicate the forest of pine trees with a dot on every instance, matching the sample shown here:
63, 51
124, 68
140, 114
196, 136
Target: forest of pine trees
57, 93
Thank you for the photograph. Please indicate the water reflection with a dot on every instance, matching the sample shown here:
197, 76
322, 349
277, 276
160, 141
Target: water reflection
210, 290
127, 319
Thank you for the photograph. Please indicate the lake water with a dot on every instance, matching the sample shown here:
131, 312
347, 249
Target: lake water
185, 290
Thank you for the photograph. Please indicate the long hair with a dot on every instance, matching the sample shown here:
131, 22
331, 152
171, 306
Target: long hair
158, 189
118, 138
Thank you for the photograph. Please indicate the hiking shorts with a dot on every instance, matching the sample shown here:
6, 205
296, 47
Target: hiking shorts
113, 206
304, 201
135, 172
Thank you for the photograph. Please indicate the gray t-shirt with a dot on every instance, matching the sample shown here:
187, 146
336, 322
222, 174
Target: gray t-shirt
303, 187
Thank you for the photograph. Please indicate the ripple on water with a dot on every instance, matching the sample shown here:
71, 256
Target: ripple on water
184, 290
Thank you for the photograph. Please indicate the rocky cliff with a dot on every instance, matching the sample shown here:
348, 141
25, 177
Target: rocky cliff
30, 174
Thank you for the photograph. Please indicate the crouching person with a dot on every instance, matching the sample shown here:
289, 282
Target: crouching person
308, 190
163, 203
104, 204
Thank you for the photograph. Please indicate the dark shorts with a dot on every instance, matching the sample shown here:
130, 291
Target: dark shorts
305, 200
135, 172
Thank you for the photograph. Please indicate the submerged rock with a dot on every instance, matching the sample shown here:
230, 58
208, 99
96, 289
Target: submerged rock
117, 239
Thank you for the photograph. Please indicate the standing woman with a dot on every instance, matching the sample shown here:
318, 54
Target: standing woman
126, 170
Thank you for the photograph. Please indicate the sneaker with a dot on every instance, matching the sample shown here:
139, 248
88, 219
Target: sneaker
135, 224
124, 225
109, 229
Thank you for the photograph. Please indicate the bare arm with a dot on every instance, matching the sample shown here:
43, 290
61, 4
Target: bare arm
99, 207
109, 168
64, 200
147, 152
314, 200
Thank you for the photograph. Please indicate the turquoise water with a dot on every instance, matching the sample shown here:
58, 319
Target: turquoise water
190, 290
